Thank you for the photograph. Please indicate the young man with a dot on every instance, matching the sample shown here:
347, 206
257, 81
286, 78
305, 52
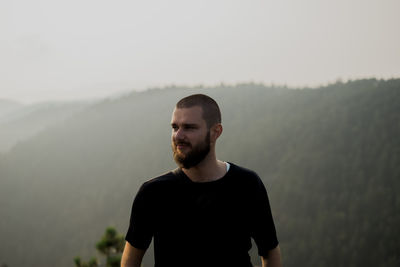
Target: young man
205, 212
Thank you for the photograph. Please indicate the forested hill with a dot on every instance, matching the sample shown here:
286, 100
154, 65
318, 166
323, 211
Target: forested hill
329, 157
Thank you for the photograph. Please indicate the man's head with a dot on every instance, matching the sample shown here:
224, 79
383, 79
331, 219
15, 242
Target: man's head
210, 110
196, 125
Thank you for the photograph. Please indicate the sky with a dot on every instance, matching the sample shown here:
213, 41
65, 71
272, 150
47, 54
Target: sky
79, 49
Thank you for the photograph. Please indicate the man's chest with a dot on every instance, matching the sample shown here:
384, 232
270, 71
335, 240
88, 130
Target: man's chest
211, 209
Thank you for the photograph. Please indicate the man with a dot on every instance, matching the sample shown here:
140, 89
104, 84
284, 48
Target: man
205, 212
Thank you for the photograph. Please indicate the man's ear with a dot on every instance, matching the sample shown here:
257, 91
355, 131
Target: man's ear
215, 132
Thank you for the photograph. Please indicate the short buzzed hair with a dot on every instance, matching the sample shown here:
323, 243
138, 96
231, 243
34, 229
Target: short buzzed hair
211, 112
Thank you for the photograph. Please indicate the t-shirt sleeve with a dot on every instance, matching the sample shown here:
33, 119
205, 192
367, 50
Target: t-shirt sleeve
140, 231
262, 225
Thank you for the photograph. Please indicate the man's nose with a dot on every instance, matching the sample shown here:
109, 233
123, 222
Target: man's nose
179, 134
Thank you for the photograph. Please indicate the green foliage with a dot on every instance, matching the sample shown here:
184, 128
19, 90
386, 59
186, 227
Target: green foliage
92, 262
111, 242
114, 260
110, 245
78, 261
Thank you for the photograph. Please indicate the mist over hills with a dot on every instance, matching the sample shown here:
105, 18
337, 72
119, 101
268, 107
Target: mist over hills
20, 122
8, 106
329, 158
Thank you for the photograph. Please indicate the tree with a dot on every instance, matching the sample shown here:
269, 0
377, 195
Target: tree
111, 245
92, 263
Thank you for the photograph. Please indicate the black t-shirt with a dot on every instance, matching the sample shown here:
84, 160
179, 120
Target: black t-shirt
203, 224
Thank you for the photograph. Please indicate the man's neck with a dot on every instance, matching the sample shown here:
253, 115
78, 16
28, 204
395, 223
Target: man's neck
210, 169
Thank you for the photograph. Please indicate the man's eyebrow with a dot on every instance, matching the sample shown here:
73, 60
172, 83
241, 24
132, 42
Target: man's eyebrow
185, 124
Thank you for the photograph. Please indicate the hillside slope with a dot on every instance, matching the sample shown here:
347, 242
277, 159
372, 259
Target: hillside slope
21, 122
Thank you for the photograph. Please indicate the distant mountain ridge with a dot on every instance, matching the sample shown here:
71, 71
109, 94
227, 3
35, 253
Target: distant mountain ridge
328, 157
20, 122
7, 106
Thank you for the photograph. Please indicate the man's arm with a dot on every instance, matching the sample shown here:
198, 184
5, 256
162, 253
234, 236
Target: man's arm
132, 257
273, 258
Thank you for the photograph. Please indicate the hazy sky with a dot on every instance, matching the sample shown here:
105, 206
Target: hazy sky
73, 49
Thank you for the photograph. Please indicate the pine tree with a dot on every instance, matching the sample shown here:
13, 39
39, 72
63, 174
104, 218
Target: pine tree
111, 245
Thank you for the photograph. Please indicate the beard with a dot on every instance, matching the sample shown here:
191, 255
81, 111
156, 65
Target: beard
194, 156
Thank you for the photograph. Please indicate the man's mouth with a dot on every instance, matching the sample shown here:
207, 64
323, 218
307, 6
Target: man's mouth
182, 145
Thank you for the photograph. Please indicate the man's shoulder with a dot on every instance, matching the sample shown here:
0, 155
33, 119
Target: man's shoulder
161, 181
245, 176
242, 171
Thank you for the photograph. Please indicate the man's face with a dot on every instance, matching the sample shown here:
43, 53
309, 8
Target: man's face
190, 136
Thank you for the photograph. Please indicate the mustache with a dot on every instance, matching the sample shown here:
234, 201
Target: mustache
177, 143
